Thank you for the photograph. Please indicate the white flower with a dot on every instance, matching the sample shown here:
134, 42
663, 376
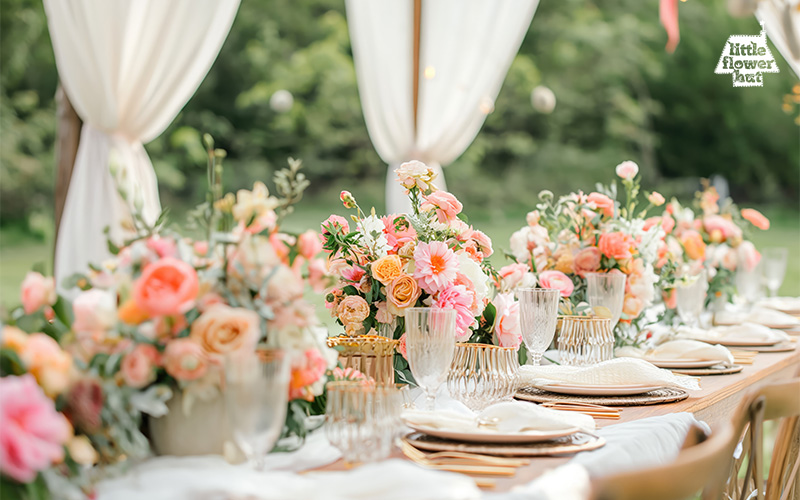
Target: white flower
627, 169
371, 230
475, 274
415, 173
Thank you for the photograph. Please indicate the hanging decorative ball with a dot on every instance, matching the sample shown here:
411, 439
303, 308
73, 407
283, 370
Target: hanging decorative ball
543, 99
281, 101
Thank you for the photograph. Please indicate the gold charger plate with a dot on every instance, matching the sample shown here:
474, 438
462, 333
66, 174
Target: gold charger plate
562, 446
785, 346
656, 397
712, 370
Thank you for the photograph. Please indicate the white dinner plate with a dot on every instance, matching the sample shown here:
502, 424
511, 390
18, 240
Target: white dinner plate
600, 390
489, 436
683, 363
740, 342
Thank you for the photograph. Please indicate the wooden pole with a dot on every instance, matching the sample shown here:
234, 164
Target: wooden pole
415, 61
68, 135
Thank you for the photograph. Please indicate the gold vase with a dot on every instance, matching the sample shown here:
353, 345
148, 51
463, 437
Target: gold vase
585, 340
370, 354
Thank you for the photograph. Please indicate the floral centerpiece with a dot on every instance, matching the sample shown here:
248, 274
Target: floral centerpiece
576, 234
428, 258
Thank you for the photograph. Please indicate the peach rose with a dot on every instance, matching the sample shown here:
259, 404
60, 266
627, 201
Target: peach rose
138, 367
387, 268
166, 287
627, 170
185, 360
557, 280
446, 205
402, 293
755, 218
693, 245
309, 244
587, 261
602, 203
223, 329
353, 309
44, 359
617, 245
37, 292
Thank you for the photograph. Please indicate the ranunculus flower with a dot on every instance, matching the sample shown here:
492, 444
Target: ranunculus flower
138, 367
749, 257
587, 261
656, 198
602, 203
309, 244
458, 298
627, 170
44, 359
755, 218
167, 287
95, 312
557, 280
223, 330
37, 292
617, 245
306, 370
446, 205
436, 266
507, 327
353, 309
693, 245
185, 359
33, 432
402, 293
387, 268
512, 275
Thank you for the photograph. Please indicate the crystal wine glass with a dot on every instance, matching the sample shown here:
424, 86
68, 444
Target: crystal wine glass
606, 290
430, 346
748, 284
256, 395
690, 295
538, 317
773, 263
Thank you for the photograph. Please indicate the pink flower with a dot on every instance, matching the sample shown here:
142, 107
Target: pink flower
617, 245
335, 224
667, 224
167, 287
353, 273
347, 199
668, 15
350, 374
483, 241
305, 371
200, 248
749, 257
33, 432
138, 367
415, 174
656, 199
632, 306
164, 247
602, 203
532, 218
401, 346
281, 244
512, 275
37, 292
309, 244
47, 362
507, 328
436, 266
755, 218
720, 229
95, 312
397, 237
383, 315
627, 170
185, 360
557, 280
446, 205
670, 298
587, 261
457, 297
317, 276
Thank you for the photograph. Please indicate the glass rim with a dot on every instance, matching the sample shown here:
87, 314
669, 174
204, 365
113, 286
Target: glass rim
607, 274
540, 290
424, 309
362, 386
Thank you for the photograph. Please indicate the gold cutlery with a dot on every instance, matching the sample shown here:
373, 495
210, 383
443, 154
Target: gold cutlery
422, 459
595, 411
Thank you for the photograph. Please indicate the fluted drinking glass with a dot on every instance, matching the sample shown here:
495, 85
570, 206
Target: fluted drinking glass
430, 346
606, 290
773, 263
690, 295
538, 316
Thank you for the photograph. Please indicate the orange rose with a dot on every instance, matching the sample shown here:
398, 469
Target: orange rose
223, 329
402, 293
130, 313
166, 287
387, 268
693, 245
353, 309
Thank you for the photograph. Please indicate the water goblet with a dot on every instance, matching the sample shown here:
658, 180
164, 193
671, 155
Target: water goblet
606, 290
538, 316
256, 395
748, 284
773, 263
430, 346
690, 296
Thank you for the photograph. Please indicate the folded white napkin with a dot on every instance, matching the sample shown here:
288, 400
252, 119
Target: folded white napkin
618, 371
690, 349
506, 418
758, 315
782, 304
747, 331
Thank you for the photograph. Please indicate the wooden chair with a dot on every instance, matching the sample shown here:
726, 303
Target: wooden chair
704, 463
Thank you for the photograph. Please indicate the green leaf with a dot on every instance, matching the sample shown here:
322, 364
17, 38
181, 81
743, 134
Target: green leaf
10, 364
63, 310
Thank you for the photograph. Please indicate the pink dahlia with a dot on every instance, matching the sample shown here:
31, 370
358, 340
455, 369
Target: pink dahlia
460, 299
436, 266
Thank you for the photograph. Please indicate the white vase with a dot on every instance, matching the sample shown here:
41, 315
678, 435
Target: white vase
202, 432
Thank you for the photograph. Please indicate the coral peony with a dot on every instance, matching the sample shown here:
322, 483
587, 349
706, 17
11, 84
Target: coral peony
436, 266
720, 228
755, 218
617, 245
483, 241
37, 291
167, 287
33, 432
558, 281
512, 275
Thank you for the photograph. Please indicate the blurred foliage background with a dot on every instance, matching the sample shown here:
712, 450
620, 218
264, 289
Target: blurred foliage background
620, 96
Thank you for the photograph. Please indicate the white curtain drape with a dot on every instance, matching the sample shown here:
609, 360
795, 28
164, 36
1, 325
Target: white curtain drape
781, 20
128, 67
466, 48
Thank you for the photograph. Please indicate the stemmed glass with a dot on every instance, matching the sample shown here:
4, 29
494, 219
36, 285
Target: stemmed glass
606, 290
690, 296
773, 262
430, 346
748, 284
256, 395
538, 317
